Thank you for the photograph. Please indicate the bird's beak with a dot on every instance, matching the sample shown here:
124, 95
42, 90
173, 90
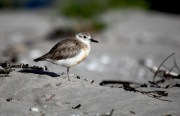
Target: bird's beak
95, 41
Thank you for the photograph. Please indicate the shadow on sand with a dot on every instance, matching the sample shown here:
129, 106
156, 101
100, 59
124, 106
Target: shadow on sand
40, 72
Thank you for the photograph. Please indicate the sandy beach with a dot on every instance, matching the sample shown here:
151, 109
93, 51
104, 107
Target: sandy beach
133, 39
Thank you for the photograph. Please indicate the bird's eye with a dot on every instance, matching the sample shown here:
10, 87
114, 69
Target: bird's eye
84, 36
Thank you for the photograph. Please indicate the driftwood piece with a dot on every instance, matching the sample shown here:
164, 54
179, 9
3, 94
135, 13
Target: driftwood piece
165, 74
161, 65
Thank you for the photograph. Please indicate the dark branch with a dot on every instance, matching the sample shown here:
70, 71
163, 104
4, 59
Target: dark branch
161, 65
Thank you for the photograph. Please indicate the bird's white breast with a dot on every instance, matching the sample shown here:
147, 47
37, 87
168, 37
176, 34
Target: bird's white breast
69, 62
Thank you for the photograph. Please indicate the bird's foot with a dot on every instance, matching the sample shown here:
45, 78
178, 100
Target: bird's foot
64, 75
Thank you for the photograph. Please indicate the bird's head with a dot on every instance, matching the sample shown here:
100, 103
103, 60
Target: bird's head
85, 37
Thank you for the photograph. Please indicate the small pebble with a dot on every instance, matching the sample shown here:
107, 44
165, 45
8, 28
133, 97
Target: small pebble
58, 103
34, 109
9, 99
58, 84
78, 77
45, 106
107, 113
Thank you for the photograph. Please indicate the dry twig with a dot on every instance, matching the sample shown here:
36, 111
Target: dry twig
161, 65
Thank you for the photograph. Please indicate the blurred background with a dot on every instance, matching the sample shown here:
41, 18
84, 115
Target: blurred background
133, 34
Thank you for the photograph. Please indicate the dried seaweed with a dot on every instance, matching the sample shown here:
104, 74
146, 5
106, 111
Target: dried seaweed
92, 81
114, 83
126, 86
25, 68
50, 98
8, 99
76, 107
5, 68
6, 71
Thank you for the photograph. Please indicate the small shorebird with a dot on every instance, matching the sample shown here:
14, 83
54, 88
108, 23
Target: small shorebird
69, 52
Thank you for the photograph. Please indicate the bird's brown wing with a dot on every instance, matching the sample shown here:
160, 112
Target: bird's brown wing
67, 48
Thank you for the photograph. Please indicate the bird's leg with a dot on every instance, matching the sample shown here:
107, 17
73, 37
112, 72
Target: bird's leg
68, 73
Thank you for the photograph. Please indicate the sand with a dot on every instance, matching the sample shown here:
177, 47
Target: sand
57, 97
133, 37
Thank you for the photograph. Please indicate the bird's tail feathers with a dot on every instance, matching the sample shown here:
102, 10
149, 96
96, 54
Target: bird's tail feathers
39, 59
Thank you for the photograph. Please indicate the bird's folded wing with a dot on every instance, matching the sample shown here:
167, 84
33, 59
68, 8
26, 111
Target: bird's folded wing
64, 49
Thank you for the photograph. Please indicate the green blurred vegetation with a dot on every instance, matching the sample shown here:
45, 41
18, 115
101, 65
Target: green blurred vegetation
82, 10
98, 25
90, 9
